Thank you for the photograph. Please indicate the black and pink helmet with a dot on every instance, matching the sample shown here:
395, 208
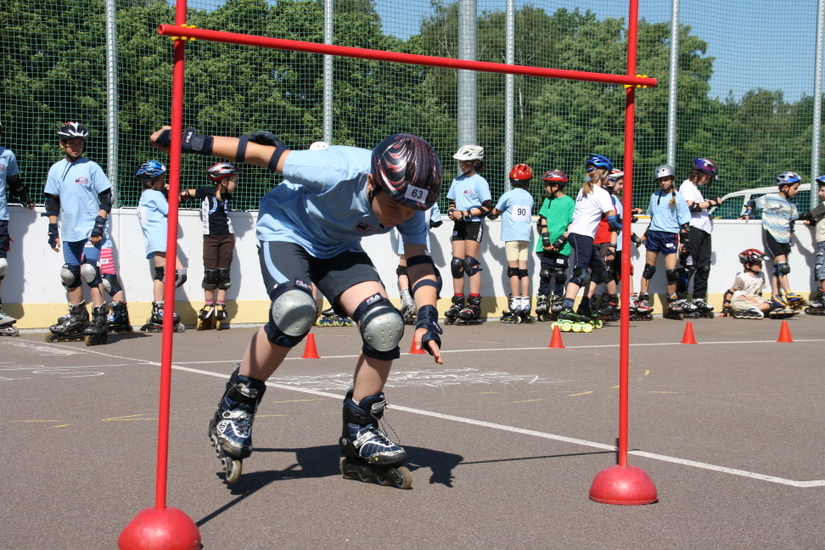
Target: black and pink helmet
408, 169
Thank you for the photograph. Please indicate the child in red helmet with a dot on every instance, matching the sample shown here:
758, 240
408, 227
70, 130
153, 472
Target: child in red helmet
744, 299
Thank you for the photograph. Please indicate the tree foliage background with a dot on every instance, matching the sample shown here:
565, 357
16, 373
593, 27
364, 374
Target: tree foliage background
53, 55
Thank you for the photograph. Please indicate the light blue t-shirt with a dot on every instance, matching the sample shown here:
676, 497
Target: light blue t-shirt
777, 214
8, 168
516, 207
322, 204
664, 217
152, 211
469, 193
78, 185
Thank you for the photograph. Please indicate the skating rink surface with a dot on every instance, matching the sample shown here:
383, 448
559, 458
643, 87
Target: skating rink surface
504, 440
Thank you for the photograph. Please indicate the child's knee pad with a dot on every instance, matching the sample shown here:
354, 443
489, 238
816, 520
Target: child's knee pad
291, 314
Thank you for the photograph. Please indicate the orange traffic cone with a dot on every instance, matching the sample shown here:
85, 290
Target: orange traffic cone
785, 333
415, 349
310, 351
555, 340
688, 337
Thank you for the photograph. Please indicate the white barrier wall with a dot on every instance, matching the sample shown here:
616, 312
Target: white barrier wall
32, 291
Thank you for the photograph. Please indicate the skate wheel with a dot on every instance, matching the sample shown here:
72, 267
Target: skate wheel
233, 472
217, 325
199, 324
51, 338
405, 479
89, 340
180, 328
599, 324
587, 329
577, 328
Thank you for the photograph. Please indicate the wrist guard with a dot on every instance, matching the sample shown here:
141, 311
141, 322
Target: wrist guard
54, 235
428, 319
560, 242
191, 142
100, 226
545, 240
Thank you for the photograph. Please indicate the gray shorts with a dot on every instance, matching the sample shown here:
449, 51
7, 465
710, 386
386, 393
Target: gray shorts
283, 262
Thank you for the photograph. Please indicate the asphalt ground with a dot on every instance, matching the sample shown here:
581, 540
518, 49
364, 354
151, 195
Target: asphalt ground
504, 440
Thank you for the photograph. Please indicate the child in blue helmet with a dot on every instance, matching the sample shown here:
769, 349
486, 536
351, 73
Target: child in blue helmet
152, 211
778, 214
309, 229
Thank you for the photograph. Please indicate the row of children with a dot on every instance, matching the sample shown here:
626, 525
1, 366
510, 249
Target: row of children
586, 234
79, 196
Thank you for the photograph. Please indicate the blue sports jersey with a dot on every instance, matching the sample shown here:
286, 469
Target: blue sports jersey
78, 185
469, 192
322, 204
516, 207
8, 167
152, 211
664, 217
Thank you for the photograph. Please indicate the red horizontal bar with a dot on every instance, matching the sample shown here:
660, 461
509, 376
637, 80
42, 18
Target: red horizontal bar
410, 59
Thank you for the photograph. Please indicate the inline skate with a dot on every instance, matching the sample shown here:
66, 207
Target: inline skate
230, 429
451, 315
750, 313
471, 314
609, 310
210, 316
155, 322
542, 308
675, 308
97, 331
524, 310
794, 301
569, 321
817, 306
640, 309
408, 307
119, 318
368, 453
586, 310
779, 309
329, 318
703, 309
7, 327
71, 326
556, 305
511, 314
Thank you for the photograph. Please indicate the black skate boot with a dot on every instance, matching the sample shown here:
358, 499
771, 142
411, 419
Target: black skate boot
510, 314
7, 327
556, 305
609, 310
542, 308
675, 308
471, 314
97, 332
642, 307
817, 305
119, 318
155, 322
451, 315
569, 321
703, 308
70, 327
230, 430
368, 453
750, 313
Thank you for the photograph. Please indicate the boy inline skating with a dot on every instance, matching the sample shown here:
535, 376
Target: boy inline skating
516, 210
470, 202
152, 211
744, 298
218, 240
778, 215
695, 258
817, 216
552, 247
79, 194
309, 229
9, 177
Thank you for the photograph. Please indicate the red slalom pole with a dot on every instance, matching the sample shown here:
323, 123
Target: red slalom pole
396, 57
162, 527
622, 483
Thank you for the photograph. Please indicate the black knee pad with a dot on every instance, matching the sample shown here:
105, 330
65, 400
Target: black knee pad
781, 268
381, 326
160, 273
471, 266
291, 315
512, 272
703, 272
401, 270
111, 284
457, 267
210, 279
70, 276
649, 271
672, 275
560, 275
522, 273
545, 274
90, 273
224, 282
581, 277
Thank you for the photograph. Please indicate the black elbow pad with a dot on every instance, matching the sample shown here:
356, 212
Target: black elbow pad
105, 198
